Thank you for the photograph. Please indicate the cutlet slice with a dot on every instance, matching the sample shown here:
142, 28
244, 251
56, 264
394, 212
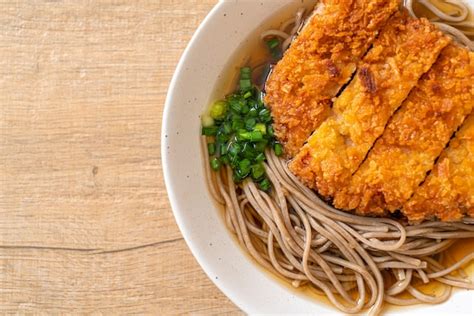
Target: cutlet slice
448, 192
405, 49
415, 136
319, 62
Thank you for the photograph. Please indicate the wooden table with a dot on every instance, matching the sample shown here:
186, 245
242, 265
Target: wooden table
85, 223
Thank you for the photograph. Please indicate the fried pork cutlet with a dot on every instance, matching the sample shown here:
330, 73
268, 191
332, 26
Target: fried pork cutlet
448, 192
404, 51
415, 136
319, 62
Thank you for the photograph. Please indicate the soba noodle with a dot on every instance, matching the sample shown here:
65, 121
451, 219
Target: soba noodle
449, 22
296, 235
296, 23
356, 262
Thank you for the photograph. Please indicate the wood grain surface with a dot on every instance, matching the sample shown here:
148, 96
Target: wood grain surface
85, 223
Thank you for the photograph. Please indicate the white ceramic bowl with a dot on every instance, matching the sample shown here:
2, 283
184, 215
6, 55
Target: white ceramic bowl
217, 46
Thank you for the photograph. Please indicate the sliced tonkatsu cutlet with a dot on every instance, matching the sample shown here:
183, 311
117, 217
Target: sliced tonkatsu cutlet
405, 49
415, 136
319, 62
448, 192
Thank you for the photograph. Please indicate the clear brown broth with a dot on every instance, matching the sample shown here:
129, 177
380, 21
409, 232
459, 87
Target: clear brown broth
254, 53
421, 11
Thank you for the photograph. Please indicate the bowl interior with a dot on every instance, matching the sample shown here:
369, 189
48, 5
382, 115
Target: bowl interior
204, 74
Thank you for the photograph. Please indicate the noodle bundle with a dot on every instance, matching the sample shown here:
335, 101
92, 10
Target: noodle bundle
356, 262
296, 235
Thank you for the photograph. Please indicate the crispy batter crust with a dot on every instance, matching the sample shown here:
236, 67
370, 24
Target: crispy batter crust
319, 62
414, 137
405, 49
448, 192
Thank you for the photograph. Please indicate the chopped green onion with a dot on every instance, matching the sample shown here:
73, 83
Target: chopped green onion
256, 136
265, 115
253, 112
247, 95
260, 146
251, 136
264, 112
234, 149
245, 79
221, 137
245, 166
260, 157
273, 43
219, 110
215, 164
260, 128
209, 131
207, 120
250, 124
237, 124
248, 151
252, 102
235, 105
211, 148
278, 148
245, 73
245, 84
271, 131
242, 127
265, 185
227, 128
224, 160
223, 149
234, 161
258, 171
245, 108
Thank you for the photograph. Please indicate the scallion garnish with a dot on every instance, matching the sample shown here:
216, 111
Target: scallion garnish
273, 43
261, 145
251, 136
245, 84
244, 166
227, 128
260, 157
234, 149
274, 48
210, 131
253, 112
278, 148
270, 131
247, 95
235, 105
215, 164
264, 184
219, 110
211, 148
242, 131
250, 123
245, 73
260, 127
258, 171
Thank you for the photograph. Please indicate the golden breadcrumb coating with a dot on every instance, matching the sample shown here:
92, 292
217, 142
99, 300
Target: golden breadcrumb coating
415, 136
404, 51
448, 192
319, 62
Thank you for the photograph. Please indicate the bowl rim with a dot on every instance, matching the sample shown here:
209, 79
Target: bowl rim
196, 249
164, 156
201, 256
